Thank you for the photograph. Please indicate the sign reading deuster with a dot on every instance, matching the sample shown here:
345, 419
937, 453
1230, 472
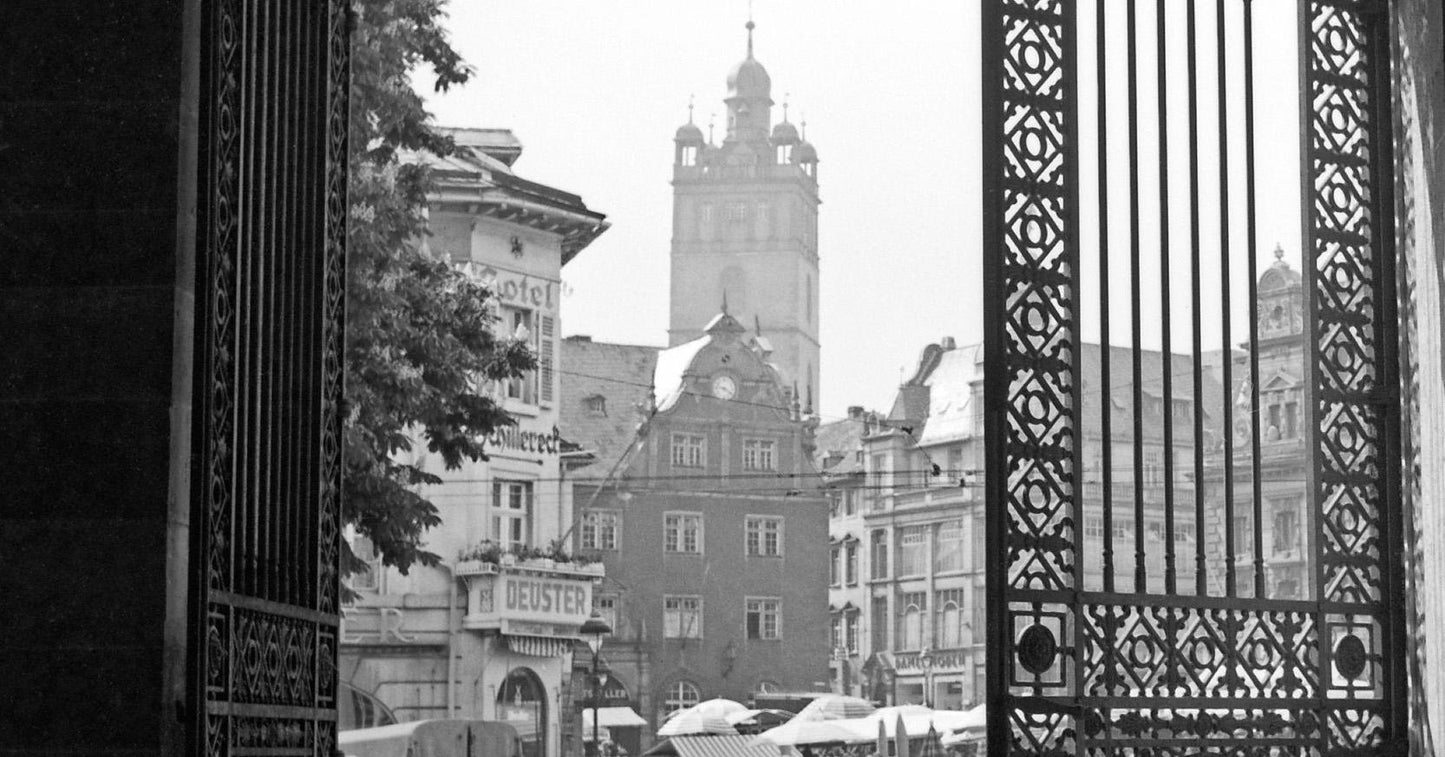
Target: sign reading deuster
544, 600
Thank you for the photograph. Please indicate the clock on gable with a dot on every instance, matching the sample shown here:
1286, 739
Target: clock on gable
723, 387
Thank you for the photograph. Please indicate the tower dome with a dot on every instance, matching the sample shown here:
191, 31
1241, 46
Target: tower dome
688, 133
805, 153
748, 79
784, 133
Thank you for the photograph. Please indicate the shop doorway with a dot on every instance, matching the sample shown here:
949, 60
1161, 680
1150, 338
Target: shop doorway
522, 704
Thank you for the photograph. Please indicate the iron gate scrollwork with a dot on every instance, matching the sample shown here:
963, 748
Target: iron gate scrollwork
1218, 665
270, 297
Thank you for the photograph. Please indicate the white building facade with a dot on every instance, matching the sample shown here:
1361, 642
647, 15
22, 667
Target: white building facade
488, 634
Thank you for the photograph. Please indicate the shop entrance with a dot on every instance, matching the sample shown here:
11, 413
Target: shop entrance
522, 704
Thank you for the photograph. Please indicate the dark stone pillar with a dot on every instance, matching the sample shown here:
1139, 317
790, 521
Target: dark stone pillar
97, 192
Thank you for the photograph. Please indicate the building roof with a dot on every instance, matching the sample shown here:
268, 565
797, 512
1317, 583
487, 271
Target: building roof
620, 375
940, 393
841, 437
479, 176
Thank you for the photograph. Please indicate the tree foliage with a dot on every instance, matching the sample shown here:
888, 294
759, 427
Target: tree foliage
420, 340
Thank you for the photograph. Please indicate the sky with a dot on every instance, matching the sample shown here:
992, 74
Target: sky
595, 91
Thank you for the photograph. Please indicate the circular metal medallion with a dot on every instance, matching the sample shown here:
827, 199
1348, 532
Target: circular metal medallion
1350, 657
1036, 649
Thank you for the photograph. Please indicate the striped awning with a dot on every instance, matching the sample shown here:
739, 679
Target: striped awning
538, 646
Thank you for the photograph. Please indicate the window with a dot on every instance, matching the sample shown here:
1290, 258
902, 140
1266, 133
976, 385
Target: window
955, 465
880, 471
1152, 472
680, 696
850, 501
850, 560
1243, 536
737, 212
834, 574
948, 551
764, 536
910, 621
595, 405
913, 551
948, 631
1183, 532
704, 230
607, 608
1291, 420
1093, 527
851, 633
546, 348
837, 631
1123, 528
512, 513
599, 529
980, 621
681, 617
1276, 423
369, 578
1286, 527
763, 620
520, 326
689, 450
683, 532
759, 454
879, 558
880, 624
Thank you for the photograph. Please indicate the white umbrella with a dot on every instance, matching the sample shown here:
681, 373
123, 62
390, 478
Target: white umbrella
798, 732
692, 722
720, 707
753, 717
836, 707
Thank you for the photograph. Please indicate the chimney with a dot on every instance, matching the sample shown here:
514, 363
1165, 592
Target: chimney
855, 412
947, 343
579, 338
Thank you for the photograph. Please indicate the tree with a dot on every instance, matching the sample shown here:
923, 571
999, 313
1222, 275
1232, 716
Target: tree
420, 340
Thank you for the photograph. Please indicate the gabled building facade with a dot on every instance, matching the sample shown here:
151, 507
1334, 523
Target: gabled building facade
709, 524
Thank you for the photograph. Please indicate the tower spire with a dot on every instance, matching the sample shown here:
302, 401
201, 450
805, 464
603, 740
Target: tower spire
786, 96
689, 108
750, 26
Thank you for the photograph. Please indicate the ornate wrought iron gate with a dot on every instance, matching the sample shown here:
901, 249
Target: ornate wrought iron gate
1211, 665
273, 126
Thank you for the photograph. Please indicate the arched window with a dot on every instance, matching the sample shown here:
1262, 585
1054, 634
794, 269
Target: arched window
680, 695
522, 703
910, 622
950, 626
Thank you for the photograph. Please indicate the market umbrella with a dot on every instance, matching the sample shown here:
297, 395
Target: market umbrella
900, 738
801, 732
882, 745
766, 718
692, 722
720, 707
836, 707
931, 747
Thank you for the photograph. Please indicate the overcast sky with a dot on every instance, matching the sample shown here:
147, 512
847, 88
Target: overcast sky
595, 91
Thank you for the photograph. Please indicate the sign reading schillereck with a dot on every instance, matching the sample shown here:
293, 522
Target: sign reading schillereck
527, 601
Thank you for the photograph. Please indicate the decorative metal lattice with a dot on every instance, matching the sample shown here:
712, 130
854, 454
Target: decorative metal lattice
270, 300
1216, 669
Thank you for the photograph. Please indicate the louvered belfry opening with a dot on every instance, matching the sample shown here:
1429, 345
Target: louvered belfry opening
270, 303
1191, 378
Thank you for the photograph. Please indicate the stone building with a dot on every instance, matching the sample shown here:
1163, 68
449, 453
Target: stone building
488, 633
704, 508
907, 516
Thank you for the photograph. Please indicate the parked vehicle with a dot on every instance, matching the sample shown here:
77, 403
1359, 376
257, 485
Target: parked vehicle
433, 738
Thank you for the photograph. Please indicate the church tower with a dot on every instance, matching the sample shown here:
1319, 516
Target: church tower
745, 229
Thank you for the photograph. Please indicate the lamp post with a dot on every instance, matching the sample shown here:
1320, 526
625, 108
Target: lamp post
925, 661
593, 630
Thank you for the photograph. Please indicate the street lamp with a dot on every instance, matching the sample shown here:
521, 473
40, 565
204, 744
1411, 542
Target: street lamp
925, 661
593, 630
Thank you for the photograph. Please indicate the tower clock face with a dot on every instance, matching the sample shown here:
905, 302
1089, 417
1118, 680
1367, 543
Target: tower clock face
724, 388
